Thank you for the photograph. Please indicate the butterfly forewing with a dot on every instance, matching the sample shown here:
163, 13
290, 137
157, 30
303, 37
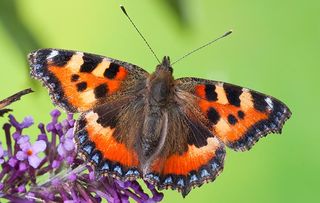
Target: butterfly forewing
239, 117
80, 81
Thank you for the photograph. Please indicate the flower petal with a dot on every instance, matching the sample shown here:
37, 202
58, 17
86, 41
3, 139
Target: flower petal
39, 146
61, 151
16, 135
68, 144
69, 133
23, 166
27, 122
23, 139
25, 146
70, 160
21, 155
34, 161
21, 189
55, 164
55, 113
12, 162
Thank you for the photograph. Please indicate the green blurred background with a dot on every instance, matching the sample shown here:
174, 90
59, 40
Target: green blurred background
274, 49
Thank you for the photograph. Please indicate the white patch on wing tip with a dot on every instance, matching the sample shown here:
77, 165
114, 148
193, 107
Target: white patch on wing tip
52, 54
269, 102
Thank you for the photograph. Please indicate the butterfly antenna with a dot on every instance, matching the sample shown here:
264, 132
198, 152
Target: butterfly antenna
203, 46
144, 39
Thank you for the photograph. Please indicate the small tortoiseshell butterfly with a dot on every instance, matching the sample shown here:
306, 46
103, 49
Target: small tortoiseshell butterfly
170, 132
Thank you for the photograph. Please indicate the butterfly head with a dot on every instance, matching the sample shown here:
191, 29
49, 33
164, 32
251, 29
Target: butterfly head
165, 65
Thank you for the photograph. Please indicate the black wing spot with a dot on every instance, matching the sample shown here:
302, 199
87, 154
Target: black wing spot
112, 71
241, 114
232, 119
259, 102
100, 91
74, 78
62, 58
107, 116
81, 86
213, 115
211, 95
90, 62
198, 134
233, 94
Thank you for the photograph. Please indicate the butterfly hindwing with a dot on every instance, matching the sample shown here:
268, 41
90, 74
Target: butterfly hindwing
98, 140
80, 81
191, 155
238, 116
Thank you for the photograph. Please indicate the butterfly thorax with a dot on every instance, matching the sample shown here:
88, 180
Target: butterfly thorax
160, 84
159, 98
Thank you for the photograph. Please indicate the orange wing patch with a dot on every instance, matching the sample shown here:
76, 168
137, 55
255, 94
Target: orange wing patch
100, 146
239, 116
82, 92
190, 169
231, 127
77, 81
105, 142
192, 160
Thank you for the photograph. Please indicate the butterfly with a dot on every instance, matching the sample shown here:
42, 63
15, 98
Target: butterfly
169, 132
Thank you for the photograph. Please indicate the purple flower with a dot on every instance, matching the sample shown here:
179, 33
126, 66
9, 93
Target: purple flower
66, 144
31, 152
60, 175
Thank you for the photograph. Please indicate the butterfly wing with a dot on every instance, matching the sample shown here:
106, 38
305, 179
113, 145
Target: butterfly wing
239, 117
108, 93
208, 115
106, 137
80, 81
191, 154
